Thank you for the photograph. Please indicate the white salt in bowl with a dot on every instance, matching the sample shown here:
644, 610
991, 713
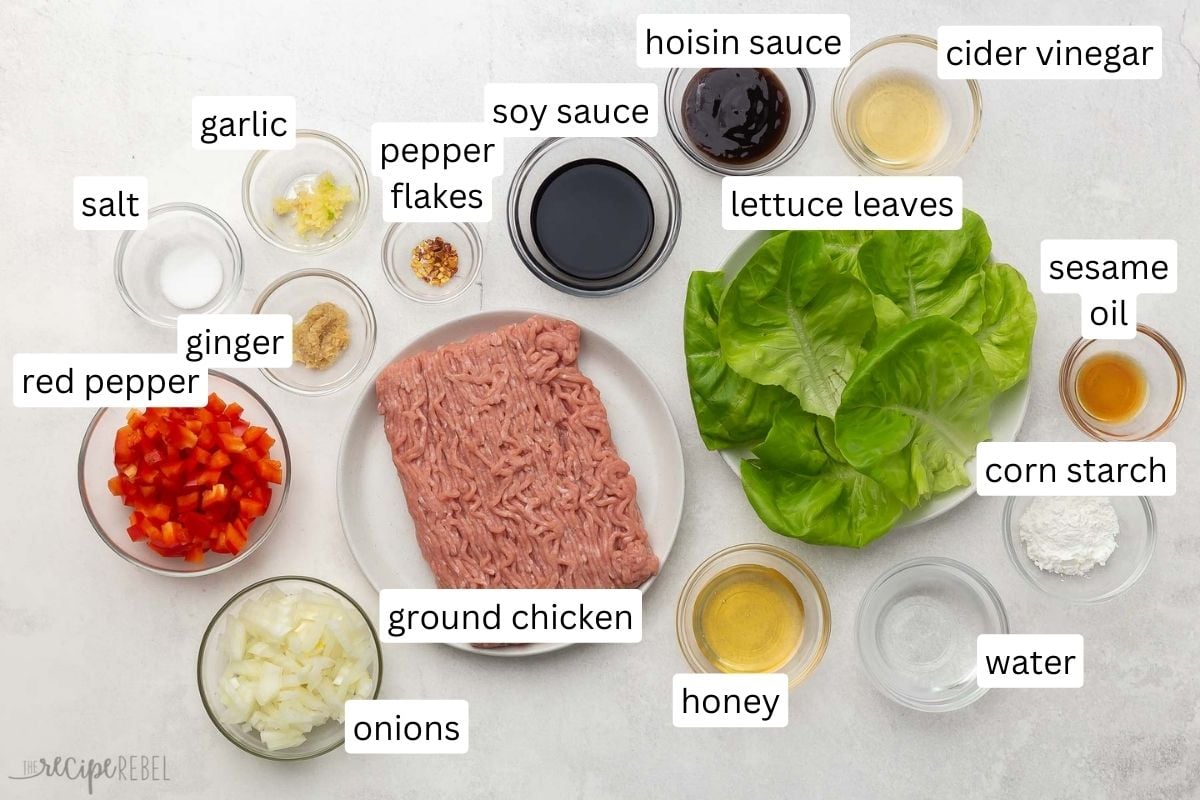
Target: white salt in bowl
1135, 546
186, 261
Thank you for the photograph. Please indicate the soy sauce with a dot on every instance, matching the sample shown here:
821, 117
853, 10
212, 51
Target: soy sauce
592, 219
735, 115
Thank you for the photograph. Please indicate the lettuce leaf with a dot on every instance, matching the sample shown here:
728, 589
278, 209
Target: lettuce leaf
915, 409
843, 248
792, 319
800, 486
924, 273
1005, 334
860, 366
730, 410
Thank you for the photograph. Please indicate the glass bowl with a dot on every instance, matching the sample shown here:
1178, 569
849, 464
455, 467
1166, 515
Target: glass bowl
398, 245
295, 293
273, 174
1166, 385
815, 637
175, 231
110, 517
912, 56
917, 628
1135, 546
798, 87
635, 156
211, 663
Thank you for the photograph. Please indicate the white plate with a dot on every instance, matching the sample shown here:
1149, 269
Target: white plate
1008, 411
371, 503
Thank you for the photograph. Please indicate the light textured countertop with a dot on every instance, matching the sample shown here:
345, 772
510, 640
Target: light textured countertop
99, 657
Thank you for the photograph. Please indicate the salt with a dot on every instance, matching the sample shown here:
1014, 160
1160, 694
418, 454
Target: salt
190, 276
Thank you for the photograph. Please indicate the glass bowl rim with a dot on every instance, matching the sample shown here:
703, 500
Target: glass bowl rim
843, 137
1015, 556
235, 246
389, 266
779, 159
321, 246
1066, 392
981, 587
674, 215
220, 726
683, 617
364, 305
281, 438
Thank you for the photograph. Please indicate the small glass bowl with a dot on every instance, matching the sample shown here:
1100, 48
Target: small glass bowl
815, 637
295, 293
1135, 546
138, 262
916, 632
914, 55
272, 174
798, 86
110, 517
1166, 385
635, 156
398, 245
211, 663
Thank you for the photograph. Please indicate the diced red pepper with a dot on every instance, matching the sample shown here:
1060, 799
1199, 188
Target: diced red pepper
195, 478
159, 512
251, 508
213, 496
270, 470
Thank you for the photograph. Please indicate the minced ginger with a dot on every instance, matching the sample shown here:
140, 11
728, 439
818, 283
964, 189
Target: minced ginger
321, 336
318, 207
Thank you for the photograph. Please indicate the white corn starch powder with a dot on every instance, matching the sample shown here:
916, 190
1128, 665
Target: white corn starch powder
1069, 535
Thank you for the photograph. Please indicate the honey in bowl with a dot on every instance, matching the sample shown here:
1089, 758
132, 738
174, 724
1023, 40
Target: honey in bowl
748, 618
1111, 387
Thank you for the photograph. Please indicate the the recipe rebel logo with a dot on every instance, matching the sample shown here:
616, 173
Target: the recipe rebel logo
129, 768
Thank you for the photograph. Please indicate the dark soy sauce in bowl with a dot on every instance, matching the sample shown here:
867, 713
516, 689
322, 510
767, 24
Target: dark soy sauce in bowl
592, 219
735, 115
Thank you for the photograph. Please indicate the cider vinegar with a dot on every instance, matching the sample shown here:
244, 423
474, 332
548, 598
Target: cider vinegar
899, 118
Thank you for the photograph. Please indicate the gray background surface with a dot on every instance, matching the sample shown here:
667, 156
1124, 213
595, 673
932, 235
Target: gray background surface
99, 658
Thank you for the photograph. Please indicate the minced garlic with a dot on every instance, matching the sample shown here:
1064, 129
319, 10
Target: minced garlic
317, 207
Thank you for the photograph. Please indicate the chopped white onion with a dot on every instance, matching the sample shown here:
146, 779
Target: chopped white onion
294, 661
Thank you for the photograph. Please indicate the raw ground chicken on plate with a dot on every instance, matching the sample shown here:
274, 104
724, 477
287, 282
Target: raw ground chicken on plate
508, 466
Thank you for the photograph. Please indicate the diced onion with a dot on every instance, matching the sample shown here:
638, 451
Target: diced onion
293, 662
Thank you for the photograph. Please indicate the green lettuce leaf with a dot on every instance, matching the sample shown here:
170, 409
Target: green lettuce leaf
730, 410
915, 409
800, 486
924, 273
1009, 319
843, 247
791, 319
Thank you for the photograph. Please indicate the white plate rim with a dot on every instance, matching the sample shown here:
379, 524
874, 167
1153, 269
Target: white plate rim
514, 314
1013, 404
